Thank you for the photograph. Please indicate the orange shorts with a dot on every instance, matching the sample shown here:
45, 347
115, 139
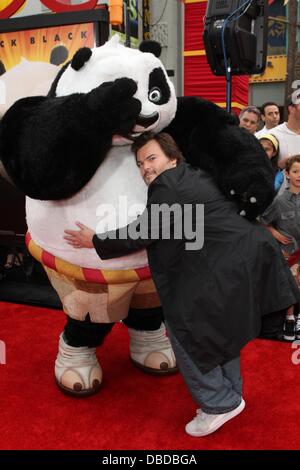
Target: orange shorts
105, 303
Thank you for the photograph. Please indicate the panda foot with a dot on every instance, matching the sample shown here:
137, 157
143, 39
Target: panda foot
77, 370
151, 351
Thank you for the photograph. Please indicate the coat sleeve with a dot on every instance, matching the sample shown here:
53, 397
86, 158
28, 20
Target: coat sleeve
146, 229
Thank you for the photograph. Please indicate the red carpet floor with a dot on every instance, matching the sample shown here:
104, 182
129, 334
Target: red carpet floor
133, 410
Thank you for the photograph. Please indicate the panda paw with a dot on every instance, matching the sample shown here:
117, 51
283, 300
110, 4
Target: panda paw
114, 104
248, 204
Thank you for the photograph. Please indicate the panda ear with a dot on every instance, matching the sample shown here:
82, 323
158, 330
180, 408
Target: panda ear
151, 46
80, 58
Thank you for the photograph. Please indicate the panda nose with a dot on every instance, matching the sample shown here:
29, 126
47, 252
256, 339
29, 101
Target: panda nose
146, 121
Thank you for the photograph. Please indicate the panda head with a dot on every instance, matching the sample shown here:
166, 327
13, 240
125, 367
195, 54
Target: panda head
90, 68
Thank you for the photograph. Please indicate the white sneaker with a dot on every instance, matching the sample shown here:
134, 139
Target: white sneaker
77, 370
152, 352
204, 423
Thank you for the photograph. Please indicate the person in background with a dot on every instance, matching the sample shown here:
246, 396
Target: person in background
270, 115
212, 295
271, 147
249, 118
288, 133
282, 219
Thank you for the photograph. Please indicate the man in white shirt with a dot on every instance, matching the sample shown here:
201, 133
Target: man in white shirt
288, 133
271, 116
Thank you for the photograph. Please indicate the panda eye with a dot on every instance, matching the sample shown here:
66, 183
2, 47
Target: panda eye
155, 95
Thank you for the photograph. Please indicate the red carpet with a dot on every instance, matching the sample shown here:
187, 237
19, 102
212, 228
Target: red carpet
133, 410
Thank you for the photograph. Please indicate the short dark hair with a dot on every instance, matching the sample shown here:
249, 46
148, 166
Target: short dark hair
164, 140
268, 103
250, 109
290, 162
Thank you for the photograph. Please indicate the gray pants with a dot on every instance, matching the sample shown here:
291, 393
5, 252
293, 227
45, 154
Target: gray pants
219, 391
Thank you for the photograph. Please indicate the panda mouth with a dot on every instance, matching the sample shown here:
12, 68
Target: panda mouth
146, 121
134, 135
143, 124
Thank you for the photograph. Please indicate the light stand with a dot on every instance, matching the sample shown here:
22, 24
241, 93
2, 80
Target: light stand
228, 87
127, 24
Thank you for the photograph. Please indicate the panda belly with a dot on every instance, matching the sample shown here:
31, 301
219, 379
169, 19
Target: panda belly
111, 199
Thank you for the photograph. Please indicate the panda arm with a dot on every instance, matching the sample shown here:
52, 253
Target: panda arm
51, 147
42, 146
210, 138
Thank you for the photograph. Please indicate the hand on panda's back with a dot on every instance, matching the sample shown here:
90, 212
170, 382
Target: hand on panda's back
115, 107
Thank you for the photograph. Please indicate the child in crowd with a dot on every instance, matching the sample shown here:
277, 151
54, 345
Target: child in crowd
282, 219
271, 147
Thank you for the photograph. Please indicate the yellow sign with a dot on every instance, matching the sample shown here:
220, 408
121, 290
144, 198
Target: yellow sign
275, 70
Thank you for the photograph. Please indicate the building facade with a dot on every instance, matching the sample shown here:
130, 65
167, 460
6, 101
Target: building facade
178, 26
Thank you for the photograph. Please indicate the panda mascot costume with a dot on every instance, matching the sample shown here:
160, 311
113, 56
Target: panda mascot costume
70, 153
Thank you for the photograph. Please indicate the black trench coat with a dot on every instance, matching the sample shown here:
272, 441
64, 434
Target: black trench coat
213, 298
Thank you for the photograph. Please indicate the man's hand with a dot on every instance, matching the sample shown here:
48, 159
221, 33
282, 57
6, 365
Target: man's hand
80, 238
279, 236
281, 163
